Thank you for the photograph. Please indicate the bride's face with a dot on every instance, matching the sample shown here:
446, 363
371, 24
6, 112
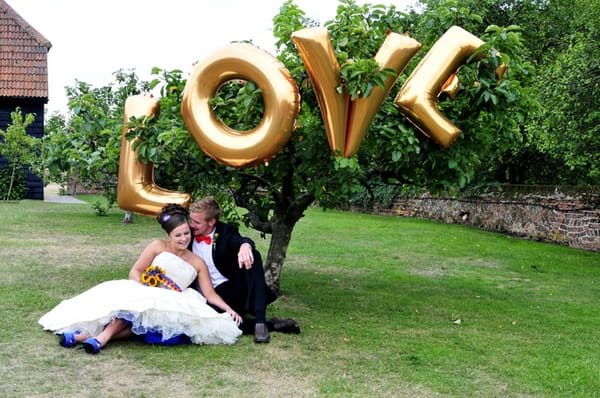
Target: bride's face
180, 236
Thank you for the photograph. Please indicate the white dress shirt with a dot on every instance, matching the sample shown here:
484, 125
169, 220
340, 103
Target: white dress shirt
204, 251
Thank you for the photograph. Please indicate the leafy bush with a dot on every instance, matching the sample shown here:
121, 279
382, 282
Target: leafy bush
101, 207
380, 194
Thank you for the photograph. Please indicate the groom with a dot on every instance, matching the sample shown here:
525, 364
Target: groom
236, 270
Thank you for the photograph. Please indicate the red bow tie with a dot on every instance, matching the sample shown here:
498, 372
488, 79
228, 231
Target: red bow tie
205, 239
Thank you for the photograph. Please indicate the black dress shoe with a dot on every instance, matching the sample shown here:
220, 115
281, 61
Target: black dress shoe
261, 333
288, 325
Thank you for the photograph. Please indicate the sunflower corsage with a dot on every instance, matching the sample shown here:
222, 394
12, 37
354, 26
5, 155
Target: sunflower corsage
155, 276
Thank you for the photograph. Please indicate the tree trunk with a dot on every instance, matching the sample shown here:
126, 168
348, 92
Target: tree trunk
282, 223
12, 179
128, 218
280, 239
288, 209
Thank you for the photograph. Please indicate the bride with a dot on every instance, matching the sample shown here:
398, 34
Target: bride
156, 303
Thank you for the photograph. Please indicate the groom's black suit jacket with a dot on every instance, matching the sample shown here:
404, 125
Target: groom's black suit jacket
225, 248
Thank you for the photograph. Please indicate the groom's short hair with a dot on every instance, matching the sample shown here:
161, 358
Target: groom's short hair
207, 205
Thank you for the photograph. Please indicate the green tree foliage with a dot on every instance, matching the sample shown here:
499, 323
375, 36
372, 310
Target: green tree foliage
19, 149
567, 133
486, 110
13, 183
560, 144
568, 129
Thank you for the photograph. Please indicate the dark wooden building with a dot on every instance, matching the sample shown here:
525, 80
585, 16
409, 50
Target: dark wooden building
23, 79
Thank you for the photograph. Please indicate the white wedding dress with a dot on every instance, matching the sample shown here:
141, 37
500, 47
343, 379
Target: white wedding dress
150, 310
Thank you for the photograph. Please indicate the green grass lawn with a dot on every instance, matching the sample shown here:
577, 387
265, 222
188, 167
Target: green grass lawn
389, 307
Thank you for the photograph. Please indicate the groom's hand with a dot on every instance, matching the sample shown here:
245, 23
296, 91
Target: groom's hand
245, 257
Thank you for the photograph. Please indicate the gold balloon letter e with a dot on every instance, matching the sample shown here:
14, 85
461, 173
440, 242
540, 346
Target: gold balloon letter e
136, 190
416, 98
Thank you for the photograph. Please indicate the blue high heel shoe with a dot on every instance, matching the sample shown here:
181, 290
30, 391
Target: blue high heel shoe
67, 339
91, 345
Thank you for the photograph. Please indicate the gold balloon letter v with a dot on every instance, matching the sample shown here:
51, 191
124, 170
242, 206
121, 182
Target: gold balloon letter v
346, 121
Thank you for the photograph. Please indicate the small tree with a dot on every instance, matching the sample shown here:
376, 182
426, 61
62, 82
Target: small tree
305, 171
83, 148
276, 194
19, 149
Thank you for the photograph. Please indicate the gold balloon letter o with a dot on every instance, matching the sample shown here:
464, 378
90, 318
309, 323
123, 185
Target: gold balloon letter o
280, 96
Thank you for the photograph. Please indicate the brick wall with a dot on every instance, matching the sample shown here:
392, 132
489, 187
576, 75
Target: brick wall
563, 215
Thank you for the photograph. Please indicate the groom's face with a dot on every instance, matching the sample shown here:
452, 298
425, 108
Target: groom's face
199, 224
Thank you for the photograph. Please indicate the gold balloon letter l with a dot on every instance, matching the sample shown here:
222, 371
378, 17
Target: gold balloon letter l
136, 190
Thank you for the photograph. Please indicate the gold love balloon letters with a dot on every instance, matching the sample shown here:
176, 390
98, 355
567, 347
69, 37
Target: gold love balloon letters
346, 121
280, 96
136, 190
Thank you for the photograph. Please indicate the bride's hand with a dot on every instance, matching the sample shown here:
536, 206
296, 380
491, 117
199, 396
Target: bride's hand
236, 317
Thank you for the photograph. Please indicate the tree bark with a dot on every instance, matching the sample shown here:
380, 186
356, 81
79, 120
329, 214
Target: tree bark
288, 208
128, 218
283, 221
12, 179
280, 240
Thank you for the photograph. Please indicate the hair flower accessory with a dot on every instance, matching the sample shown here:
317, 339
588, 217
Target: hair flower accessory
155, 276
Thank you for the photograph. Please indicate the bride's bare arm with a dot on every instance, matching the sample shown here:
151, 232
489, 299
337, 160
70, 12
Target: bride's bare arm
145, 259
